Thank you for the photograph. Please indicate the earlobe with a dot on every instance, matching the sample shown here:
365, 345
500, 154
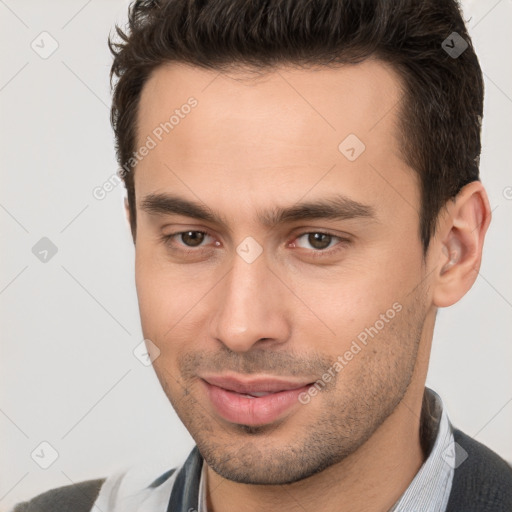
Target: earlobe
460, 249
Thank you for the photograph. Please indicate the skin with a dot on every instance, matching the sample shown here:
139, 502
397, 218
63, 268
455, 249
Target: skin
256, 144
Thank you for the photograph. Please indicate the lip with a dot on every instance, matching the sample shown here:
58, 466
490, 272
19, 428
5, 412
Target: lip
255, 384
228, 395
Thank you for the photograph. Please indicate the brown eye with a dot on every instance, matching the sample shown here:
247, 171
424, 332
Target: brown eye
192, 238
191, 242
319, 240
320, 244
316, 240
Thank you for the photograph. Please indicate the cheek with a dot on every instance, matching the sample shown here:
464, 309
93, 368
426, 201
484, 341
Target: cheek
352, 301
154, 292
172, 300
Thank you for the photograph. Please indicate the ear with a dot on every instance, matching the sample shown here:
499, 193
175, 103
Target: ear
459, 244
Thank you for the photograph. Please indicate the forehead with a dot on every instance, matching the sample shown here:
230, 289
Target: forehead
321, 100
279, 131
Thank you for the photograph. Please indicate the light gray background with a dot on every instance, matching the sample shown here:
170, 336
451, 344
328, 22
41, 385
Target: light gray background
69, 326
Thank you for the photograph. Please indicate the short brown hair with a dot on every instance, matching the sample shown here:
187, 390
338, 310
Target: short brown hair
442, 108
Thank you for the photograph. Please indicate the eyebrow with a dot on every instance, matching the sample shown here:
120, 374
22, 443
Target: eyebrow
334, 207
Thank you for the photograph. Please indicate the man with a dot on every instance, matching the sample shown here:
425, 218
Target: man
303, 194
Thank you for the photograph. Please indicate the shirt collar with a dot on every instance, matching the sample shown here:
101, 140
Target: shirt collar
430, 488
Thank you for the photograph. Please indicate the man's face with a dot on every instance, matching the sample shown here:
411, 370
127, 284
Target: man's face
254, 306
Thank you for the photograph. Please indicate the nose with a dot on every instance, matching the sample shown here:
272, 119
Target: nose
251, 307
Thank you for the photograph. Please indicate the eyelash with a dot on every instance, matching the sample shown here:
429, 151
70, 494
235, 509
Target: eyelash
315, 253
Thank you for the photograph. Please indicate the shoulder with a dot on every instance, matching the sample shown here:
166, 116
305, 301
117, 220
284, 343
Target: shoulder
482, 479
125, 490
78, 497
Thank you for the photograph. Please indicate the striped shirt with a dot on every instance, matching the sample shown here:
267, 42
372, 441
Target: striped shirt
183, 489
